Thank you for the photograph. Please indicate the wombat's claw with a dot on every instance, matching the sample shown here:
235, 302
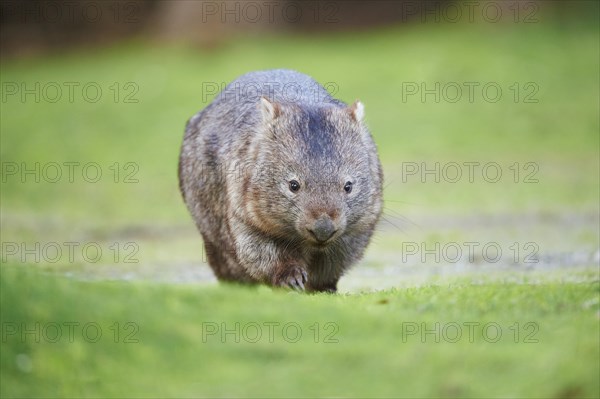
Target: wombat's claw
295, 279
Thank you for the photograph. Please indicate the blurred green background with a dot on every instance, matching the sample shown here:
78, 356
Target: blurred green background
151, 272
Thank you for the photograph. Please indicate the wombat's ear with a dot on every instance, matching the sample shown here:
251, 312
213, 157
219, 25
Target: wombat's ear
269, 109
357, 111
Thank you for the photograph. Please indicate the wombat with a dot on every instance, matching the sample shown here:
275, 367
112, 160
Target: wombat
282, 180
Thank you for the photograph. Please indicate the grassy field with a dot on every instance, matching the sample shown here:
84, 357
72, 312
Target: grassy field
433, 341
150, 290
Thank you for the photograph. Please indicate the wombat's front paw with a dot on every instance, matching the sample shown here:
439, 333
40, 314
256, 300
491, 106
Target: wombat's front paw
292, 277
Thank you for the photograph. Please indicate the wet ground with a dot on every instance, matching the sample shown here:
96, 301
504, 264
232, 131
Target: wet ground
405, 252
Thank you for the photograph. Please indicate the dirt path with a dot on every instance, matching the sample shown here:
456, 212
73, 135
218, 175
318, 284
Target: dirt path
405, 252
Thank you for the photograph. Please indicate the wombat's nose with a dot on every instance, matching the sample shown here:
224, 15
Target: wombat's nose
323, 229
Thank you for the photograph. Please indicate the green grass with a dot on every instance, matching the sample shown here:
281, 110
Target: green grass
375, 350
374, 357
559, 133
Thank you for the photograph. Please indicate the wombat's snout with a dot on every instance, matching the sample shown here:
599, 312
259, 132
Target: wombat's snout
322, 229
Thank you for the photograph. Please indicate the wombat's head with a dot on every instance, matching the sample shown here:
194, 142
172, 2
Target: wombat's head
316, 175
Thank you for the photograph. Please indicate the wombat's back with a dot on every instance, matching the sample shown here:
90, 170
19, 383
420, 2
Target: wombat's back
216, 128
278, 85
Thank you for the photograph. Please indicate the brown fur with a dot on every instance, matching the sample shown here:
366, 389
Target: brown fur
237, 160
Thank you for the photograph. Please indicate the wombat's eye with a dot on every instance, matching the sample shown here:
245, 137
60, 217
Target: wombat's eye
294, 186
348, 187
